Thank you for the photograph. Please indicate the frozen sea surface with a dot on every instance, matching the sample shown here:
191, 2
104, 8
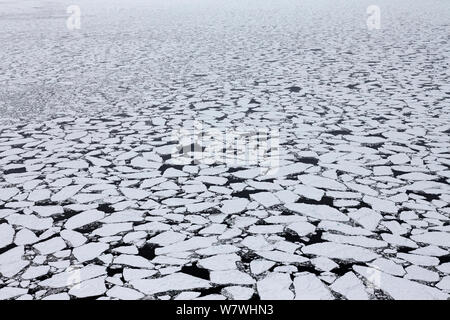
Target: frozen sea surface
99, 197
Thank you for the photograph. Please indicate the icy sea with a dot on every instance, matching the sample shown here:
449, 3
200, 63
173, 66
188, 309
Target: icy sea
228, 149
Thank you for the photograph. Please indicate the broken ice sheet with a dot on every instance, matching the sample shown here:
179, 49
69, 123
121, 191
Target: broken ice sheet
99, 189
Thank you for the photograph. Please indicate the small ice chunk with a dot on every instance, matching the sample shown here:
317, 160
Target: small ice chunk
340, 251
444, 284
214, 228
324, 264
220, 262
66, 193
172, 282
135, 274
309, 287
400, 288
238, 293
8, 193
89, 288
231, 277
388, 266
248, 173
47, 211
287, 196
30, 222
50, 246
366, 217
399, 158
35, 272
421, 274
133, 261
350, 287
174, 173
123, 293
198, 207
302, 228
381, 204
267, 199
322, 212
84, 218
260, 266
234, 206
25, 236
73, 276
264, 229
398, 240
275, 286
134, 194
321, 182
435, 238
280, 256
75, 239
419, 260
11, 262
74, 164
6, 235
111, 229
167, 238
39, 195
89, 251
188, 245
11, 292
